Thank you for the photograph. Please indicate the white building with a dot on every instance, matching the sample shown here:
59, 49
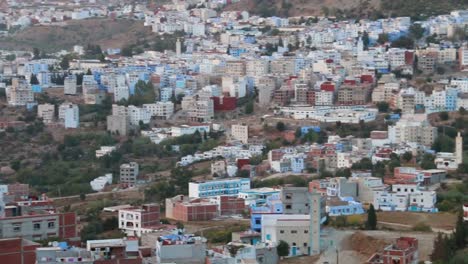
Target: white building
177, 131
69, 115
99, 183
70, 85
104, 150
19, 93
160, 110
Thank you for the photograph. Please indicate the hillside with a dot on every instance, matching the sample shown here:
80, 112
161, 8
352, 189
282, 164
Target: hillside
105, 32
373, 9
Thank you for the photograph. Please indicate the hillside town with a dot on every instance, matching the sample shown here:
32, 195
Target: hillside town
226, 137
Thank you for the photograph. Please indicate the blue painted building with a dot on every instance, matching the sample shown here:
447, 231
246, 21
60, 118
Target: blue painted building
272, 205
306, 129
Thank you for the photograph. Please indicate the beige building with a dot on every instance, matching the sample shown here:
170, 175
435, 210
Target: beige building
266, 86
240, 132
19, 93
283, 66
413, 128
46, 112
235, 68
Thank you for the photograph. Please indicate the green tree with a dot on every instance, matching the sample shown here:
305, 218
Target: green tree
371, 223
249, 107
282, 248
280, 126
407, 156
461, 231
10, 57
444, 116
36, 54
403, 42
443, 143
383, 38
34, 80
439, 251
65, 63
365, 40
383, 107
427, 162
416, 31
82, 196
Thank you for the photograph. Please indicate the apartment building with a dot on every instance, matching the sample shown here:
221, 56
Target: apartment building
114, 251
70, 86
35, 223
135, 114
463, 57
240, 132
354, 94
235, 68
19, 93
231, 187
135, 221
118, 124
413, 128
295, 200
160, 110
18, 250
69, 115
46, 112
129, 173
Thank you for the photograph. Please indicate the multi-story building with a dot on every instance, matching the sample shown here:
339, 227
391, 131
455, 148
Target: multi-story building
240, 132
301, 232
404, 251
160, 110
19, 93
46, 112
427, 62
70, 85
69, 115
353, 94
413, 128
38, 221
183, 249
135, 221
118, 124
18, 250
463, 57
135, 114
212, 188
129, 173
235, 68
295, 200
114, 251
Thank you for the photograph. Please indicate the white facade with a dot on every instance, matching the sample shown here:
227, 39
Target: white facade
218, 187
70, 85
69, 115
162, 110
99, 183
240, 132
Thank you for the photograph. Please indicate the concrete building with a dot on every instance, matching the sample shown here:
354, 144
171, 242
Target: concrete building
129, 173
18, 250
413, 128
118, 124
114, 251
181, 249
135, 221
46, 112
19, 93
160, 110
240, 132
69, 115
70, 85
231, 186
301, 232
404, 251
295, 200
35, 223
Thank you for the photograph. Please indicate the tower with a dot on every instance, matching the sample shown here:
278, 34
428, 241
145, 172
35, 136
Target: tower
178, 47
459, 149
315, 213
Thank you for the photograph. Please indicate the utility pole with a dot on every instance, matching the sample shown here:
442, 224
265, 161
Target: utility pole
337, 256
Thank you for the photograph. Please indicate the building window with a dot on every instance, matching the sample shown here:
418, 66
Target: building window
288, 206
281, 231
17, 228
293, 231
288, 196
306, 231
305, 244
51, 224
257, 221
36, 226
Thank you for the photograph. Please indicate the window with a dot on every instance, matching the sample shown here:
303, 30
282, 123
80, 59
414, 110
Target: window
306, 231
293, 231
288, 196
52, 224
281, 231
257, 221
17, 228
37, 226
305, 244
288, 206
